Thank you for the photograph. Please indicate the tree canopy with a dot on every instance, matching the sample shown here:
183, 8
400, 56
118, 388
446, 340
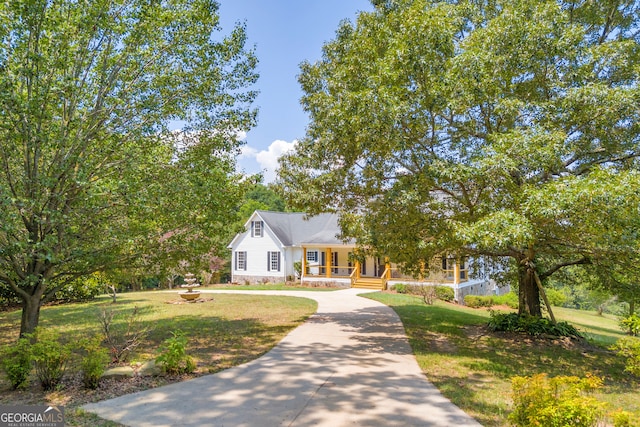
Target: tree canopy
91, 176
260, 197
507, 129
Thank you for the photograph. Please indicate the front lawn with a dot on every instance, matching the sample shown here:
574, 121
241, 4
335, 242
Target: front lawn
474, 367
224, 331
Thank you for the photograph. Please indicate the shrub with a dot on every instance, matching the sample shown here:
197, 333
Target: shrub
16, 363
174, 358
121, 337
509, 299
82, 289
445, 293
631, 324
556, 298
513, 322
477, 301
297, 267
560, 401
623, 419
50, 358
401, 288
629, 348
472, 301
94, 361
428, 293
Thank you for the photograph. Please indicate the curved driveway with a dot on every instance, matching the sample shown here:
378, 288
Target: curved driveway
350, 364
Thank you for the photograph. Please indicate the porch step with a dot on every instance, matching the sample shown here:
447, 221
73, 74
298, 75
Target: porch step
372, 283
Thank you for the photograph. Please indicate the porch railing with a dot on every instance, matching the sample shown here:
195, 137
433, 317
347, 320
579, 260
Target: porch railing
386, 274
446, 276
341, 271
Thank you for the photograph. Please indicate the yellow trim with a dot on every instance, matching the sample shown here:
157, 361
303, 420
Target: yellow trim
303, 273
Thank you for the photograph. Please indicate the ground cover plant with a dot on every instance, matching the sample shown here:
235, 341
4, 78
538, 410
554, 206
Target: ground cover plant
474, 367
223, 331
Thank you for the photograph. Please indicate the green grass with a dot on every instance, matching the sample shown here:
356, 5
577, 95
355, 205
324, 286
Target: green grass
602, 329
274, 287
224, 331
474, 368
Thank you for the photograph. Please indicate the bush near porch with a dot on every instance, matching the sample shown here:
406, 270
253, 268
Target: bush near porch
444, 293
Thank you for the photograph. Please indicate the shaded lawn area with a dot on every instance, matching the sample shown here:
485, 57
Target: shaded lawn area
224, 331
473, 367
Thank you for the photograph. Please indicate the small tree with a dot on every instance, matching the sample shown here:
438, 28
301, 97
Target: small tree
121, 338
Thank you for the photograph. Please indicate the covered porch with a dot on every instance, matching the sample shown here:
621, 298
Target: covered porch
339, 264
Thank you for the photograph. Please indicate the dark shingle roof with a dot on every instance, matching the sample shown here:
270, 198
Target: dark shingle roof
296, 228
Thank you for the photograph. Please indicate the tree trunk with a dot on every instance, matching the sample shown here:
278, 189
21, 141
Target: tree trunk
30, 315
528, 293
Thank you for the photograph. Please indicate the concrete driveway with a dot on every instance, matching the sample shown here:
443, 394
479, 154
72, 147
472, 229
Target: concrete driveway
350, 364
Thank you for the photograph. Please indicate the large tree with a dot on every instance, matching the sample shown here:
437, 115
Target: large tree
508, 129
91, 177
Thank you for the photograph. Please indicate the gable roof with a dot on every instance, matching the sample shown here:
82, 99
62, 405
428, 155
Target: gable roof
296, 228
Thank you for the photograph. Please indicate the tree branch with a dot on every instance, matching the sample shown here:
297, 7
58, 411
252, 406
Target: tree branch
582, 261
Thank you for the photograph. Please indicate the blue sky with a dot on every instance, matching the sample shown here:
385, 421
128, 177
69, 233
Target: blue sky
285, 33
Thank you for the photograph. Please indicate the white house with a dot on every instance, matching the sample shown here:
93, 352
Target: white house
273, 242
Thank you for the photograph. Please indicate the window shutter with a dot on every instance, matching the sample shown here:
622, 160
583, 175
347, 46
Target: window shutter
268, 261
235, 261
278, 261
246, 261
252, 228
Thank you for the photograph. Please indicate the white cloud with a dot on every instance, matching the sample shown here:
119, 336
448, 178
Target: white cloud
247, 152
268, 159
241, 135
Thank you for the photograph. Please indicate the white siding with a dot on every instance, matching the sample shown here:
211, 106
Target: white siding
291, 255
257, 249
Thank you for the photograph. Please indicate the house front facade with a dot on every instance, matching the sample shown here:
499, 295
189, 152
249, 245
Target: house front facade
278, 247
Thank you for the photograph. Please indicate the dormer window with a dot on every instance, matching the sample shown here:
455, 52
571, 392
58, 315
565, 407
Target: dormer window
257, 228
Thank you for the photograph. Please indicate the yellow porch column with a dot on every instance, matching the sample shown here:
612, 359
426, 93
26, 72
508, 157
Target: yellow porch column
328, 263
304, 263
357, 269
387, 267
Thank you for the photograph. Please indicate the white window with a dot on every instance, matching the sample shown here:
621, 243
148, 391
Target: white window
273, 261
312, 256
448, 267
241, 260
463, 268
257, 228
